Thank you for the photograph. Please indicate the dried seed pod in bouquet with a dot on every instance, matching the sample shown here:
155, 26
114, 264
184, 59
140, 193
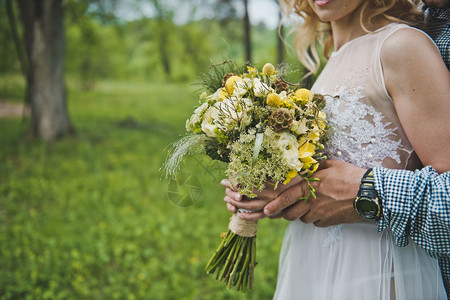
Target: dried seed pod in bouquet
280, 86
280, 120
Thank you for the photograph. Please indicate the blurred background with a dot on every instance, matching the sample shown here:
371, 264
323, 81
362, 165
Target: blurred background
91, 95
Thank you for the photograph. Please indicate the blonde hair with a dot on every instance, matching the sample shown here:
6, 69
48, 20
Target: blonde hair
313, 33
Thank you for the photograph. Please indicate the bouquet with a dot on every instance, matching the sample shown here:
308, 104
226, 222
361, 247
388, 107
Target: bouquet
266, 130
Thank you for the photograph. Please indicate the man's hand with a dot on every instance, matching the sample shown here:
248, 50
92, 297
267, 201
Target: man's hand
336, 189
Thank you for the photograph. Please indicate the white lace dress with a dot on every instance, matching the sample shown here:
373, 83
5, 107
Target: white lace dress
353, 261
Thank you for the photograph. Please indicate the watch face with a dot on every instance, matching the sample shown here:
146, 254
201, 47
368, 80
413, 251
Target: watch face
367, 208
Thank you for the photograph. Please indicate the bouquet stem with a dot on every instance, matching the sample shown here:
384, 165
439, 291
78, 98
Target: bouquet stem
234, 260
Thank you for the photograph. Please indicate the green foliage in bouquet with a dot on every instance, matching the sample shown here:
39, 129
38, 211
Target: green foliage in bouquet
267, 130
215, 79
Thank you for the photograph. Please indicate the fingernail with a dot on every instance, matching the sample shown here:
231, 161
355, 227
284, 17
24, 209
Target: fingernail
237, 197
266, 212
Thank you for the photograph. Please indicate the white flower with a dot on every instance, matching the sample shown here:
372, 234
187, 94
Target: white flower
252, 131
233, 113
229, 114
299, 127
260, 89
241, 87
288, 146
219, 95
196, 118
208, 124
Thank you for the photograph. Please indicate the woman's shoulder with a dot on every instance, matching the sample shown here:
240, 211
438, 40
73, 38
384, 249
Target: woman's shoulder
404, 44
401, 35
409, 58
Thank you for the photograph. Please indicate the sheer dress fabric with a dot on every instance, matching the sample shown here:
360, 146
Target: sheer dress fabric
353, 261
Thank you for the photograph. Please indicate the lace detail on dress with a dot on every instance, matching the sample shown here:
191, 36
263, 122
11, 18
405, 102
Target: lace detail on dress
334, 234
358, 134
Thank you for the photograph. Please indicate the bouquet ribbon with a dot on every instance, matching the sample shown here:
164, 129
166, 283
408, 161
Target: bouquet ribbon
241, 227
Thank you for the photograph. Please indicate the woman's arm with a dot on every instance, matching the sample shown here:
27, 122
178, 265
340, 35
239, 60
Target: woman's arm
419, 84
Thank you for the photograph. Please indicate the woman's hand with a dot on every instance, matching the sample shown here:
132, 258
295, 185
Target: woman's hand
236, 201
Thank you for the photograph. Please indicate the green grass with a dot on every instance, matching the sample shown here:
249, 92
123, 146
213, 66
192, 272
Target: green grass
88, 217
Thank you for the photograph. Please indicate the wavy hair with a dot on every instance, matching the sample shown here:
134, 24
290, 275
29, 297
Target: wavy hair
313, 33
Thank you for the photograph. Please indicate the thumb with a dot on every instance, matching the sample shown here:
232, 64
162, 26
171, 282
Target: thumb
286, 199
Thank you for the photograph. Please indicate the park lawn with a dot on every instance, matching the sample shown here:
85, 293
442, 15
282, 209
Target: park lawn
88, 217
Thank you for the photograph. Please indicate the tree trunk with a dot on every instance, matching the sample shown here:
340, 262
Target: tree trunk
15, 35
43, 30
163, 48
247, 37
24, 63
280, 40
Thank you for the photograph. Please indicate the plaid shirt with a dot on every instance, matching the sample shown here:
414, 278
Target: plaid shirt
416, 205
437, 25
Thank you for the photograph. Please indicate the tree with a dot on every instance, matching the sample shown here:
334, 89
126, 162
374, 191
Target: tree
164, 28
247, 37
14, 33
280, 37
43, 35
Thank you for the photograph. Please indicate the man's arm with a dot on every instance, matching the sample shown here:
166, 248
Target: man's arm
416, 203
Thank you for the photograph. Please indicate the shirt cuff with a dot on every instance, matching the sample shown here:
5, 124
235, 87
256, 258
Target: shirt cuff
391, 186
378, 176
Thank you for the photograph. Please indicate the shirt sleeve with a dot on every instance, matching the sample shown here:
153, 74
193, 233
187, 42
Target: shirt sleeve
416, 204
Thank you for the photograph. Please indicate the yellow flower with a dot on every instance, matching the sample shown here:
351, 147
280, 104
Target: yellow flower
273, 99
308, 162
314, 135
322, 115
306, 150
287, 103
289, 176
222, 94
268, 69
321, 121
251, 70
229, 84
304, 95
317, 131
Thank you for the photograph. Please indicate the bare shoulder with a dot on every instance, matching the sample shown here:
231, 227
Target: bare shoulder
408, 45
410, 58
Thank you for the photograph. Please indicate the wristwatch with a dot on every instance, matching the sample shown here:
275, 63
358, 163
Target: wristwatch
367, 202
